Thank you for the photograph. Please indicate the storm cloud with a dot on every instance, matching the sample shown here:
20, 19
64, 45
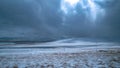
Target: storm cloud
44, 20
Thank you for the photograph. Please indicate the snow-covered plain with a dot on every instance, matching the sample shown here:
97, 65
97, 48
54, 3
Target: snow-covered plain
61, 54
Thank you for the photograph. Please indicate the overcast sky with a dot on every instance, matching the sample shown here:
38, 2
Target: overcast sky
53, 19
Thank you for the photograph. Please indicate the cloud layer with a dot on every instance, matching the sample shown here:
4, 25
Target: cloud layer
44, 20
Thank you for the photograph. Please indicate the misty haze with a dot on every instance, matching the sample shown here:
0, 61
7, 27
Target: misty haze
59, 33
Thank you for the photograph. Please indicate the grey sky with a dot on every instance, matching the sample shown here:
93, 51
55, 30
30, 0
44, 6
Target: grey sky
44, 20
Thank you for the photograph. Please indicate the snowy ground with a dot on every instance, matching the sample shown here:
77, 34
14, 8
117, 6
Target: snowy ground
61, 54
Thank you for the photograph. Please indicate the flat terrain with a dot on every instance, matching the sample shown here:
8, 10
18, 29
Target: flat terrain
60, 55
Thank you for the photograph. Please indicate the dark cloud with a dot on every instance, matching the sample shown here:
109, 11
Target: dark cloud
42, 20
